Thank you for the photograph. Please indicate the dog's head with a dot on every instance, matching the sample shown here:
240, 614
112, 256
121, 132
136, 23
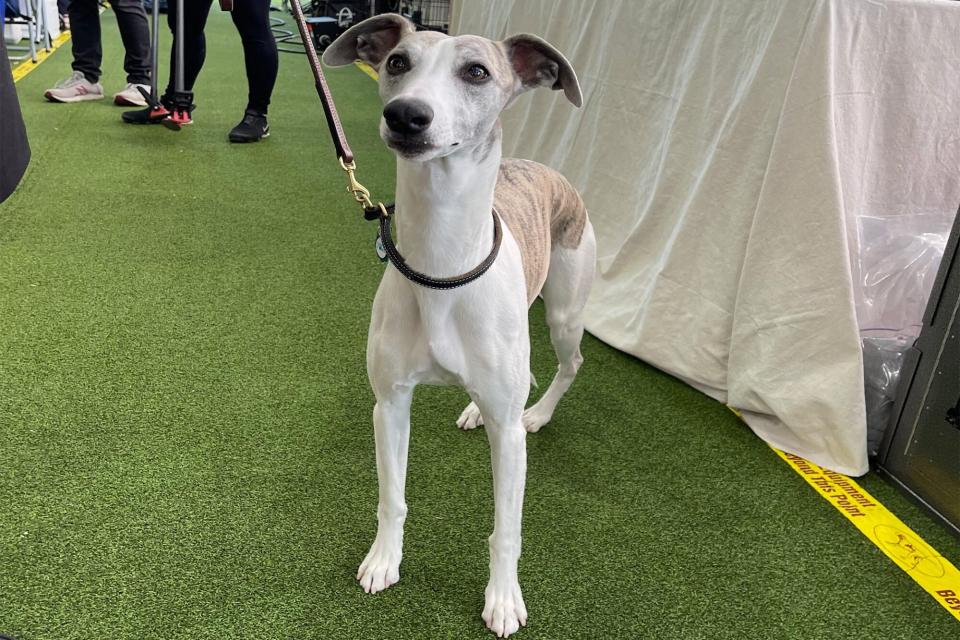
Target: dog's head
442, 93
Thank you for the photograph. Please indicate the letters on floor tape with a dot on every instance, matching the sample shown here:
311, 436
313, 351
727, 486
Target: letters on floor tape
919, 560
909, 551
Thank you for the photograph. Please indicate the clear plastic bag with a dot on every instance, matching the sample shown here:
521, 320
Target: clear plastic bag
898, 261
882, 363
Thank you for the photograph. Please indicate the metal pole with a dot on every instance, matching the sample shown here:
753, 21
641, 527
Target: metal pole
179, 83
154, 53
32, 30
44, 34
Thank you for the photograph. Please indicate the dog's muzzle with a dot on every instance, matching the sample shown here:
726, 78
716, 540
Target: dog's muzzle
408, 117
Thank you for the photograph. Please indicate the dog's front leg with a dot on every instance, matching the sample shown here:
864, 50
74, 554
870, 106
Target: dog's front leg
504, 610
391, 422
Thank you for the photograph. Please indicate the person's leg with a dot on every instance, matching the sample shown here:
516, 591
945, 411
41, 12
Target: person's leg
132, 20
194, 53
83, 84
252, 19
62, 9
194, 42
85, 34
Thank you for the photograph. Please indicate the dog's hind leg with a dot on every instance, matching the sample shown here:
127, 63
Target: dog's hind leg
391, 422
564, 295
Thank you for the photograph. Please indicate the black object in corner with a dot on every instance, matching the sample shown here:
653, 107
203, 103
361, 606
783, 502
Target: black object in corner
14, 150
921, 452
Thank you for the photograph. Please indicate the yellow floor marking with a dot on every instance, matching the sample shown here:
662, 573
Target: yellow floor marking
21, 70
909, 551
900, 543
367, 69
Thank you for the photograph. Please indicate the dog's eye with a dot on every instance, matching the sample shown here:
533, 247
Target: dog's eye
477, 73
397, 64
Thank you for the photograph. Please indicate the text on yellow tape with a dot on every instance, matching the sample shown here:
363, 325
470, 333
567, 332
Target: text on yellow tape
920, 561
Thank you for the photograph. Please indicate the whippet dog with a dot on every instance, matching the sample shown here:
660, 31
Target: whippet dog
443, 96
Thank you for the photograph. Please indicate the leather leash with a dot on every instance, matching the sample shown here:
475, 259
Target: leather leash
361, 194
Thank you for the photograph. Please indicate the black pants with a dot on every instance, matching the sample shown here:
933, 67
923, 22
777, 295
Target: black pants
85, 32
252, 19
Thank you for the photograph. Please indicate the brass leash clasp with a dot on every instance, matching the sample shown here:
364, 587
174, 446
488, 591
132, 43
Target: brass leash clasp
360, 193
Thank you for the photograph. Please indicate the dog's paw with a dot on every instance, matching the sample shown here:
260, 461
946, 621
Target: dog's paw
503, 610
534, 418
380, 569
470, 418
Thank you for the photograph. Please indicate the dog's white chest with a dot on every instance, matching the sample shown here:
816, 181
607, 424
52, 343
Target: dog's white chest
437, 374
443, 343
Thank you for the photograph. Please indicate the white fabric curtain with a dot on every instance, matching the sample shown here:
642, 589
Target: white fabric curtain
727, 151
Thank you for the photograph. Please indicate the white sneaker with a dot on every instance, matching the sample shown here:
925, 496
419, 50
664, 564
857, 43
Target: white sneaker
130, 96
76, 88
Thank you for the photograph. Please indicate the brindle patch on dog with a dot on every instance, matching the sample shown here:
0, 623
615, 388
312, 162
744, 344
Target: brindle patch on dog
541, 210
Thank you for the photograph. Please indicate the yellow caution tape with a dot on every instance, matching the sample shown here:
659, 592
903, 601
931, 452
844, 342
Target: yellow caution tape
919, 560
367, 69
21, 70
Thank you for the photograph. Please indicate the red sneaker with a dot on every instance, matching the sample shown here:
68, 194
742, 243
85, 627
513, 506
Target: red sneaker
177, 119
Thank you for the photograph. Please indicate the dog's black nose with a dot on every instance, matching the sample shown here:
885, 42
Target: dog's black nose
408, 117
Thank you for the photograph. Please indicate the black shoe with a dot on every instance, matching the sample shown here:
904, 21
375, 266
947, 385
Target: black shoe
252, 128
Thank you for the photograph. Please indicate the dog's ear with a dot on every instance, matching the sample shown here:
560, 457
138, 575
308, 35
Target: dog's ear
369, 40
538, 64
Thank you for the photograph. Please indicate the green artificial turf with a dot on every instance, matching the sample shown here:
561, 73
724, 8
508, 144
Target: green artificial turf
185, 439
